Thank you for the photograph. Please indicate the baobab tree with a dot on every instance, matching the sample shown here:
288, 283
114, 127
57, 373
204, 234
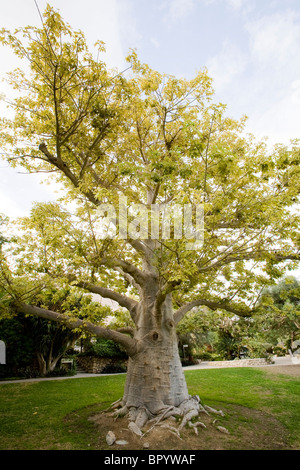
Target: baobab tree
152, 140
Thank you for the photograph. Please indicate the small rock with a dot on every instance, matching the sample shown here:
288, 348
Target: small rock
135, 429
120, 442
110, 438
224, 430
146, 445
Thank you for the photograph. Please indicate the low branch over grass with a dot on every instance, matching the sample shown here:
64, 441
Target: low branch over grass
128, 343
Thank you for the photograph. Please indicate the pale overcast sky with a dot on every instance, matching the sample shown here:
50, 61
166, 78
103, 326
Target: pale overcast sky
250, 47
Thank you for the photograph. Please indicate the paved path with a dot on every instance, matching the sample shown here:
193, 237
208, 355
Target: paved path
278, 361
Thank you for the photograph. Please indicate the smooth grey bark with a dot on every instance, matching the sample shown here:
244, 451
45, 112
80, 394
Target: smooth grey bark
155, 378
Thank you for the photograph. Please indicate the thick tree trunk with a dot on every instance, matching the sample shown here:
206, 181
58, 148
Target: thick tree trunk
155, 378
155, 387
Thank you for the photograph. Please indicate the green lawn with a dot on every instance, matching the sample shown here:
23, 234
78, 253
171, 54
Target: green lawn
35, 415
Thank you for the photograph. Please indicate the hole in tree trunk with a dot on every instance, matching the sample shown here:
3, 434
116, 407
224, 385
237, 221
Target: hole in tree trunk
155, 336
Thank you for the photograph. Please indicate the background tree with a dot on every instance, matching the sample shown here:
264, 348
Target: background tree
279, 319
155, 139
199, 329
51, 340
35, 345
219, 335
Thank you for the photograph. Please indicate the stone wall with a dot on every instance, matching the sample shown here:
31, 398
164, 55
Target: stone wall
95, 365
238, 363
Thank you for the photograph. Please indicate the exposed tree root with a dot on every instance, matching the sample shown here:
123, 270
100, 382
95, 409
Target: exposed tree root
172, 429
142, 421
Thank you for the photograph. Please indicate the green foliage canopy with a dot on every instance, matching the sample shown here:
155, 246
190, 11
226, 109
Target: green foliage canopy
153, 138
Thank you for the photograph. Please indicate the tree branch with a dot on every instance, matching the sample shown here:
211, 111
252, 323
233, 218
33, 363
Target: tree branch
116, 263
126, 330
58, 163
128, 343
250, 256
179, 314
163, 292
130, 280
121, 299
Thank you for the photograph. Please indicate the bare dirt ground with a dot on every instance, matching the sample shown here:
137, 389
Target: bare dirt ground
248, 430
293, 370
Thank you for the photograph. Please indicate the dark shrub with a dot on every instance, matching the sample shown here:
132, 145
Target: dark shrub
114, 369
